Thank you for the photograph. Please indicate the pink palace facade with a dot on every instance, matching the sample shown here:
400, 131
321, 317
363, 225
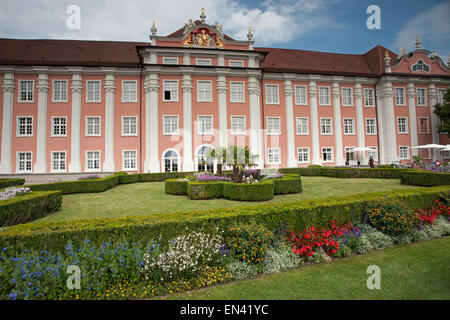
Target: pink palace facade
103, 106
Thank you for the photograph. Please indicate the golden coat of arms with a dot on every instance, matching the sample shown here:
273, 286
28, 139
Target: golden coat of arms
202, 39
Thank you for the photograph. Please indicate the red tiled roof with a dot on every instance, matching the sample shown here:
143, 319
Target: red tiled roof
179, 32
69, 52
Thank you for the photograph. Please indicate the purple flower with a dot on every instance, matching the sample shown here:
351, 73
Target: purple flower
209, 177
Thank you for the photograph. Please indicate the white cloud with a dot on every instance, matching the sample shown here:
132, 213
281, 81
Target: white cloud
273, 21
432, 27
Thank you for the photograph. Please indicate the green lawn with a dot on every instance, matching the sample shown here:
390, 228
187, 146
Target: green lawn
417, 271
147, 198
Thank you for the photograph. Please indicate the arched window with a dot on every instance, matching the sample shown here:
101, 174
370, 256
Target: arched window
171, 160
421, 66
202, 161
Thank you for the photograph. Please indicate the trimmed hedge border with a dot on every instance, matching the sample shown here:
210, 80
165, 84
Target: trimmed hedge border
205, 190
297, 215
173, 186
10, 182
79, 186
290, 183
425, 179
260, 191
29, 207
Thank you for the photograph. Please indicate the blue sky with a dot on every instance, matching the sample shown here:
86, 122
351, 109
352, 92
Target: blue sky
320, 25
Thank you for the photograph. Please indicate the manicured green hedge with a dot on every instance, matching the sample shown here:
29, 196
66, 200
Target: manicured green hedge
296, 214
173, 186
9, 182
29, 207
129, 178
260, 191
290, 183
158, 177
205, 190
387, 173
79, 186
425, 179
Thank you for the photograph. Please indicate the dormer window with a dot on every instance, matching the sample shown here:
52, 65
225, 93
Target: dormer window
421, 66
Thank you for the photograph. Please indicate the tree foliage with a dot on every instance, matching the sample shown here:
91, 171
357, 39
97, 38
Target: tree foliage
443, 113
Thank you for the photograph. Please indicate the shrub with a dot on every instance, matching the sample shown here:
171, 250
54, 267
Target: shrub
176, 186
205, 190
90, 177
319, 256
404, 238
343, 252
442, 225
424, 179
289, 184
205, 177
360, 245
10, 182
161, 176
9, 193
280, 259
29, 207
391, 217
260, 191
241, 270
129, 178
379, 240
248, 242
79, 186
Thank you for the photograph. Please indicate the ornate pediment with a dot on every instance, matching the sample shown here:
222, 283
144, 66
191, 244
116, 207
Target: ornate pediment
203, 38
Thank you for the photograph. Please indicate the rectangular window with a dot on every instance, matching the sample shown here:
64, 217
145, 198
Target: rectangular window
237, 92
205, 125
129, 160
371, 126
272, 96
93, 91
92, 160
349, 126
129, 91
423, 126
92, 126
302, 126
24, 126
170, 90
327, 154
421, 97
368, 98
273, 126
203, 62
59, 126
236, 63
59, 90
404, 152
129, 126
26, 90
204, 91
402, 125
238, 125
347, 97
303, 155
24, 162
350, 154
325, 126
170, 60
324, 96
400, 96
300, 95
170, 125
274, 155
58, 161
373, 154
441, 95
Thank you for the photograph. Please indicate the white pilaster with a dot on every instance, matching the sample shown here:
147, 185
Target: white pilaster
290, 135
187, 59
77, 86
8, 93
434, 121
222, 92
360, 129
110, 88
151, 88
336, 93
255, 120
315, 159
41, 139
413, 118
188, 163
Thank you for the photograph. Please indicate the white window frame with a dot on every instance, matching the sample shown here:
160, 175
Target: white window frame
345, 89
299, 97
375, 158
131, 99
428, 125
18, 134
129, 134
166, 117
200, 132
52, 168
99, 93
308, 154
274, 132
86, 157
331, 126
366, 99
331, 152
166, 59
210, 91
402, 97
328, 96
99, 127
53, 134
174, 95
268, 155
19, 95
177, 158
406, 125
439, 99
203, 62
349, 150
241, 62
66, 93
374, 127
234, 132
123, 161
273, 99
352, 133
400, 152
242, 98
424, 97
299, 133
17, 162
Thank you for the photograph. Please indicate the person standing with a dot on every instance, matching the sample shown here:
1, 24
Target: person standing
371, 162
